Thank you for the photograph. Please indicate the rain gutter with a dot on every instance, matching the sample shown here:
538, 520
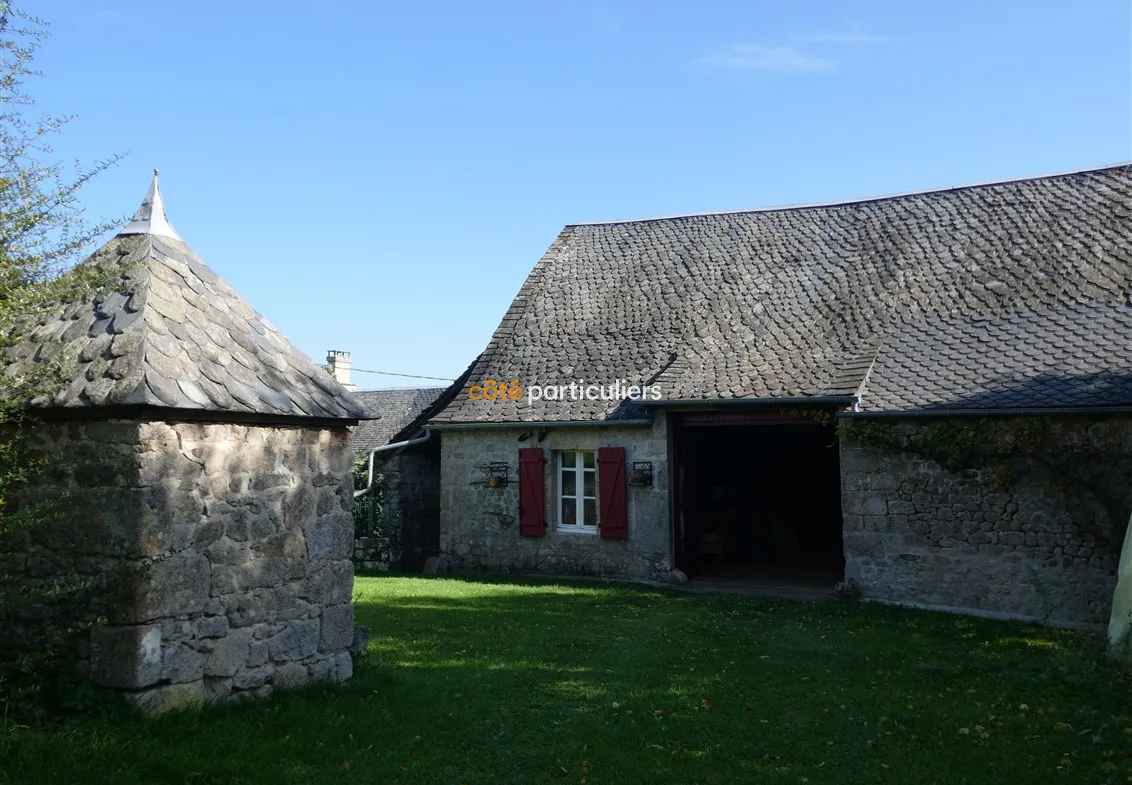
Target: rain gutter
385, 448
466, 426
1021, 412
813, 400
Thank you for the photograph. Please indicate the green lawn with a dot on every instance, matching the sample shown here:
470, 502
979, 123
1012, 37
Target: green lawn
481, 682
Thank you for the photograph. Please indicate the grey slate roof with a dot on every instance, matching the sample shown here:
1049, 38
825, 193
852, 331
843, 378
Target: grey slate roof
1075, 355
173, 334
795, 302
397, 409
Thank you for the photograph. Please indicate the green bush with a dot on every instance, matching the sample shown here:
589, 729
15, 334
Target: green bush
42, 234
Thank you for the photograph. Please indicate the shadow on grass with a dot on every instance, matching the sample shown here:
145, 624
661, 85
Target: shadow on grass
504, 679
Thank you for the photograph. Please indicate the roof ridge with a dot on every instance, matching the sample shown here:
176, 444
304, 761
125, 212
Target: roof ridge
855, 200
399, 389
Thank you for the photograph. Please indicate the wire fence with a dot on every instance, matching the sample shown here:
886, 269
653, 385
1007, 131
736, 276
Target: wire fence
367, 516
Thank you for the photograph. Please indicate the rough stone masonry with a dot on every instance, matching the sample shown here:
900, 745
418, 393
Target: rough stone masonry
1029, 534
480, 526
217, 555
201, 471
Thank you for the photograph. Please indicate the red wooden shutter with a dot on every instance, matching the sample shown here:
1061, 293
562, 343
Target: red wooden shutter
613, 518
531, 498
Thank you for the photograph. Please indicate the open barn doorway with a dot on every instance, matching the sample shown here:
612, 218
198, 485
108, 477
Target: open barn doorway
757, 499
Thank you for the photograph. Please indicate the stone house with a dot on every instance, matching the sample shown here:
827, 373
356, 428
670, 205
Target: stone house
201, 466
929, 393
408, 525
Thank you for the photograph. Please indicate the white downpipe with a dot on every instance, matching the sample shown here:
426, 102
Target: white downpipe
384, 448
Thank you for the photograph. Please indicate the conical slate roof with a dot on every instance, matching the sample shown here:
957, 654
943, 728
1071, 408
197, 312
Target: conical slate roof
173, 334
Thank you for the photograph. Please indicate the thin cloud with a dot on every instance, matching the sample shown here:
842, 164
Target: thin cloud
842, 37
768, 58
806, 53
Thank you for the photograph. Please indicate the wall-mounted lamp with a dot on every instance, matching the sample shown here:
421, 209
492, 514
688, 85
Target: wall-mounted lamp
495, 475
640, 474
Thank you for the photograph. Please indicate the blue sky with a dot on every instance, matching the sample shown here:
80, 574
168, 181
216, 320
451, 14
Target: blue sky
381, 177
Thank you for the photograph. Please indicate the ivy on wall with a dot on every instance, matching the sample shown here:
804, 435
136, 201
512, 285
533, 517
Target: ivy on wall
1083, 461
959, 444
825, 417
369, 509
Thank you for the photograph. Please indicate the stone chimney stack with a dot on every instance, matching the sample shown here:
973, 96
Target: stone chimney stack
338, 363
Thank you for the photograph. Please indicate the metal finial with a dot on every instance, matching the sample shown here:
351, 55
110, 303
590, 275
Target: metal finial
150, 217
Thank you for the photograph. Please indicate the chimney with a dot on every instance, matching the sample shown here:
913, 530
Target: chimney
338, 364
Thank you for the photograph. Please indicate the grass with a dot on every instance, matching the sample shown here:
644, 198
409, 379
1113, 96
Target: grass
509, 682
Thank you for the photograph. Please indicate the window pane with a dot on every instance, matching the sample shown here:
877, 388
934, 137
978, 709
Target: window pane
588, 460
591, 512
569, 459
569, 483
569, 512
588, 484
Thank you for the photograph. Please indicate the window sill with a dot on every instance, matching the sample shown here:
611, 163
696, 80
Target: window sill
589, 530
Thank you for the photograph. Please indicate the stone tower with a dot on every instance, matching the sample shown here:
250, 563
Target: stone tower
205, 474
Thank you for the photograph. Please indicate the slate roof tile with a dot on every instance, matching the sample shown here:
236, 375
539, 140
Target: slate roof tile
395, 409
786, 302
171, 333
1072, 355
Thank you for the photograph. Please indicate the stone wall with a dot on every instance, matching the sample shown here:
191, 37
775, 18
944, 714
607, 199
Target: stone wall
218, 555
411, 513
1026, 525
372, 554
479, 526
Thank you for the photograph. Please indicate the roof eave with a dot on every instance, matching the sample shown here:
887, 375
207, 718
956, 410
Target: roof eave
1020, 412
151, 412
812, 400
519, 424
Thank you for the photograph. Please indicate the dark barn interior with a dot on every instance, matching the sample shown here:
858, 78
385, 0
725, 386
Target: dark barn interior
759, 499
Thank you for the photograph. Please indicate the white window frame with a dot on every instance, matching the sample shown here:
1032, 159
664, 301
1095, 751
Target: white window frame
578, 469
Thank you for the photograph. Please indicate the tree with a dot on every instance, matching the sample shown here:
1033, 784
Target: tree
43, 233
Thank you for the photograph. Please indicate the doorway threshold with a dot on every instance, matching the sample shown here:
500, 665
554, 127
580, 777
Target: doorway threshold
755, 587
